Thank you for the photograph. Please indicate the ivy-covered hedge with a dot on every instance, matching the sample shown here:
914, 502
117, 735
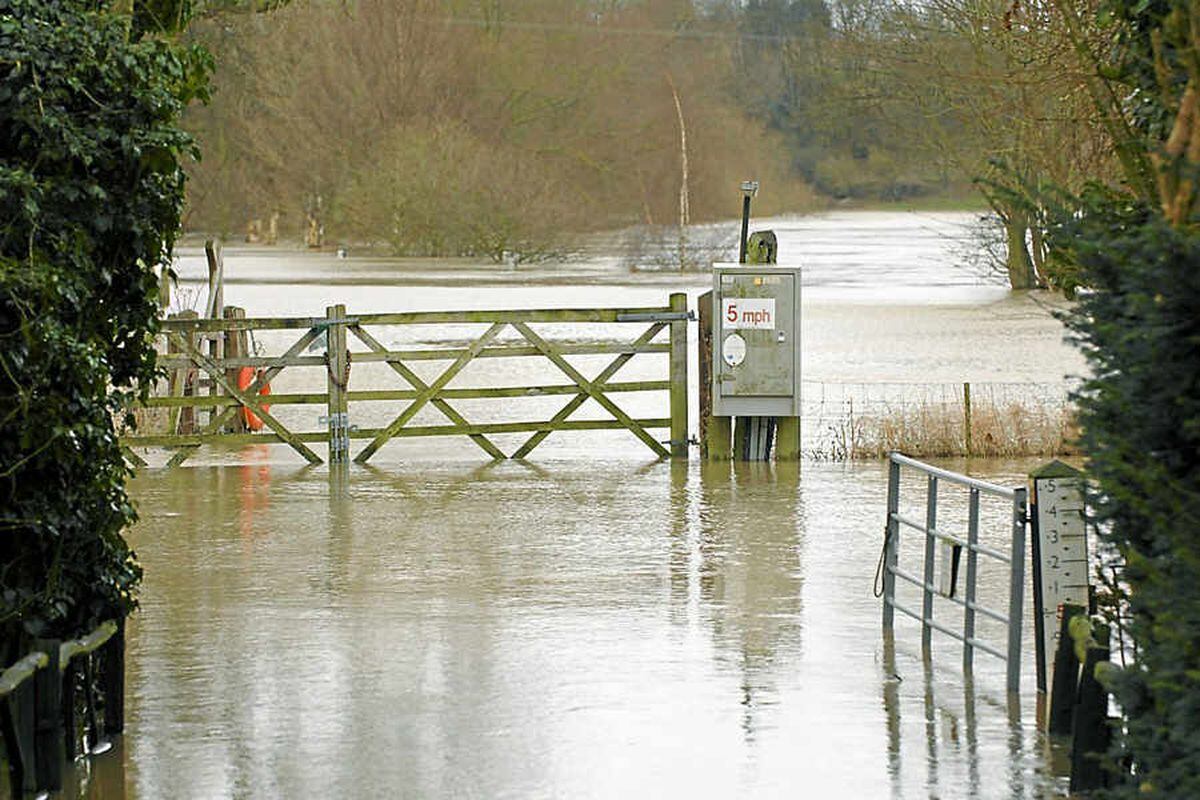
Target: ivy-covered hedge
1139, 325
90, 197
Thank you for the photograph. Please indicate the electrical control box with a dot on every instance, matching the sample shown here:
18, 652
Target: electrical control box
756, 341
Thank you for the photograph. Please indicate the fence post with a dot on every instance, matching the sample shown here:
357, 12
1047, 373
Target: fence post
1016, 589
967, 416
49, 745
338, 373
679, 379
891, 544
114, 681
715, 432
972, 571
216, 279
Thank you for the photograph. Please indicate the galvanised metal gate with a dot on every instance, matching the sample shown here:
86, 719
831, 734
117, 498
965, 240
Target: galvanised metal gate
1015, 559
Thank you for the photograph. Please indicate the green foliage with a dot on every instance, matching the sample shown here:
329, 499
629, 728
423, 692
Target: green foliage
1139, 326
90, 195
1138, 23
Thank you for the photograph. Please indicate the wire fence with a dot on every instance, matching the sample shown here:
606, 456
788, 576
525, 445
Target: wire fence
868, 420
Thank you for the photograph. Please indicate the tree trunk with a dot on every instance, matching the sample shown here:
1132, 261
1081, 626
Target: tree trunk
684, 210
1037, 241
1017, 260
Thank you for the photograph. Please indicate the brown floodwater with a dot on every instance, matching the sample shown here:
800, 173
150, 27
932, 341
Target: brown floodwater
591, 622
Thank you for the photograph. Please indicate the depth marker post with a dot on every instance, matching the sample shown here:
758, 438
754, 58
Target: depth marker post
1059, 558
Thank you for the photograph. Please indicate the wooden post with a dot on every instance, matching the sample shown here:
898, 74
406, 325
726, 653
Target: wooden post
787, 439
183, 384
1090, 732
679, 379
741, 438
338, 377
175, 383
235, 347
49, 745
967, 416
216, 279
1061, 713
715, 432
216, 301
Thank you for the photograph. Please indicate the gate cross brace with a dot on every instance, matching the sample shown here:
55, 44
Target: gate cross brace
429, 393
415, 381
591, 389
214, 425
579, 399
250, 398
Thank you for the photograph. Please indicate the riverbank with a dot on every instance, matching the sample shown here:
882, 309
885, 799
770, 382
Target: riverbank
712, 237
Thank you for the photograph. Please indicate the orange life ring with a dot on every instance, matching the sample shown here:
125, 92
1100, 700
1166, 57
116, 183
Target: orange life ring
247, 376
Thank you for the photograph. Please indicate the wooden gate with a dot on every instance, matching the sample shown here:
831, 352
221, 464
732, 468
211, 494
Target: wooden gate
191, 370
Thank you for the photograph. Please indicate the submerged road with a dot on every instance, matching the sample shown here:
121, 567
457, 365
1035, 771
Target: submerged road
592, 623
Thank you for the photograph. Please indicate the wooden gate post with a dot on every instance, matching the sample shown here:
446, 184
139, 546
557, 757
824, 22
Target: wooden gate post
183, 383
235, 347
679, 379
715, 432
337, 360
212, 310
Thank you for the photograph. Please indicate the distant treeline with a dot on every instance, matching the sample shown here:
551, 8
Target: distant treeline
482, 126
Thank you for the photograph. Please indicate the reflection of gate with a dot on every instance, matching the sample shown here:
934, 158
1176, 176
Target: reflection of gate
186, 337
953, 547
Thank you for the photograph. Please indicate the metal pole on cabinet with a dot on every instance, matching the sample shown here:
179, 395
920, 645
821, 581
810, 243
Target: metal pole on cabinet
749, 189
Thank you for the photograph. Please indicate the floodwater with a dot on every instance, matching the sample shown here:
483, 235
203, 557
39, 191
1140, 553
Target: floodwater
590, 623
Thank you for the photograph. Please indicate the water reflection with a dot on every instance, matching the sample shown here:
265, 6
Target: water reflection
749, 576
101, 777
607, 629
958, 760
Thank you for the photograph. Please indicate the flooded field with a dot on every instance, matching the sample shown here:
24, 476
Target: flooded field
593, 622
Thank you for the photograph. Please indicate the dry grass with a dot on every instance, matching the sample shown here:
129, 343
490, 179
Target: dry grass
1009, 428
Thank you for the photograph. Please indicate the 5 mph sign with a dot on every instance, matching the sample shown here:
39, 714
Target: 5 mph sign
748, 313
